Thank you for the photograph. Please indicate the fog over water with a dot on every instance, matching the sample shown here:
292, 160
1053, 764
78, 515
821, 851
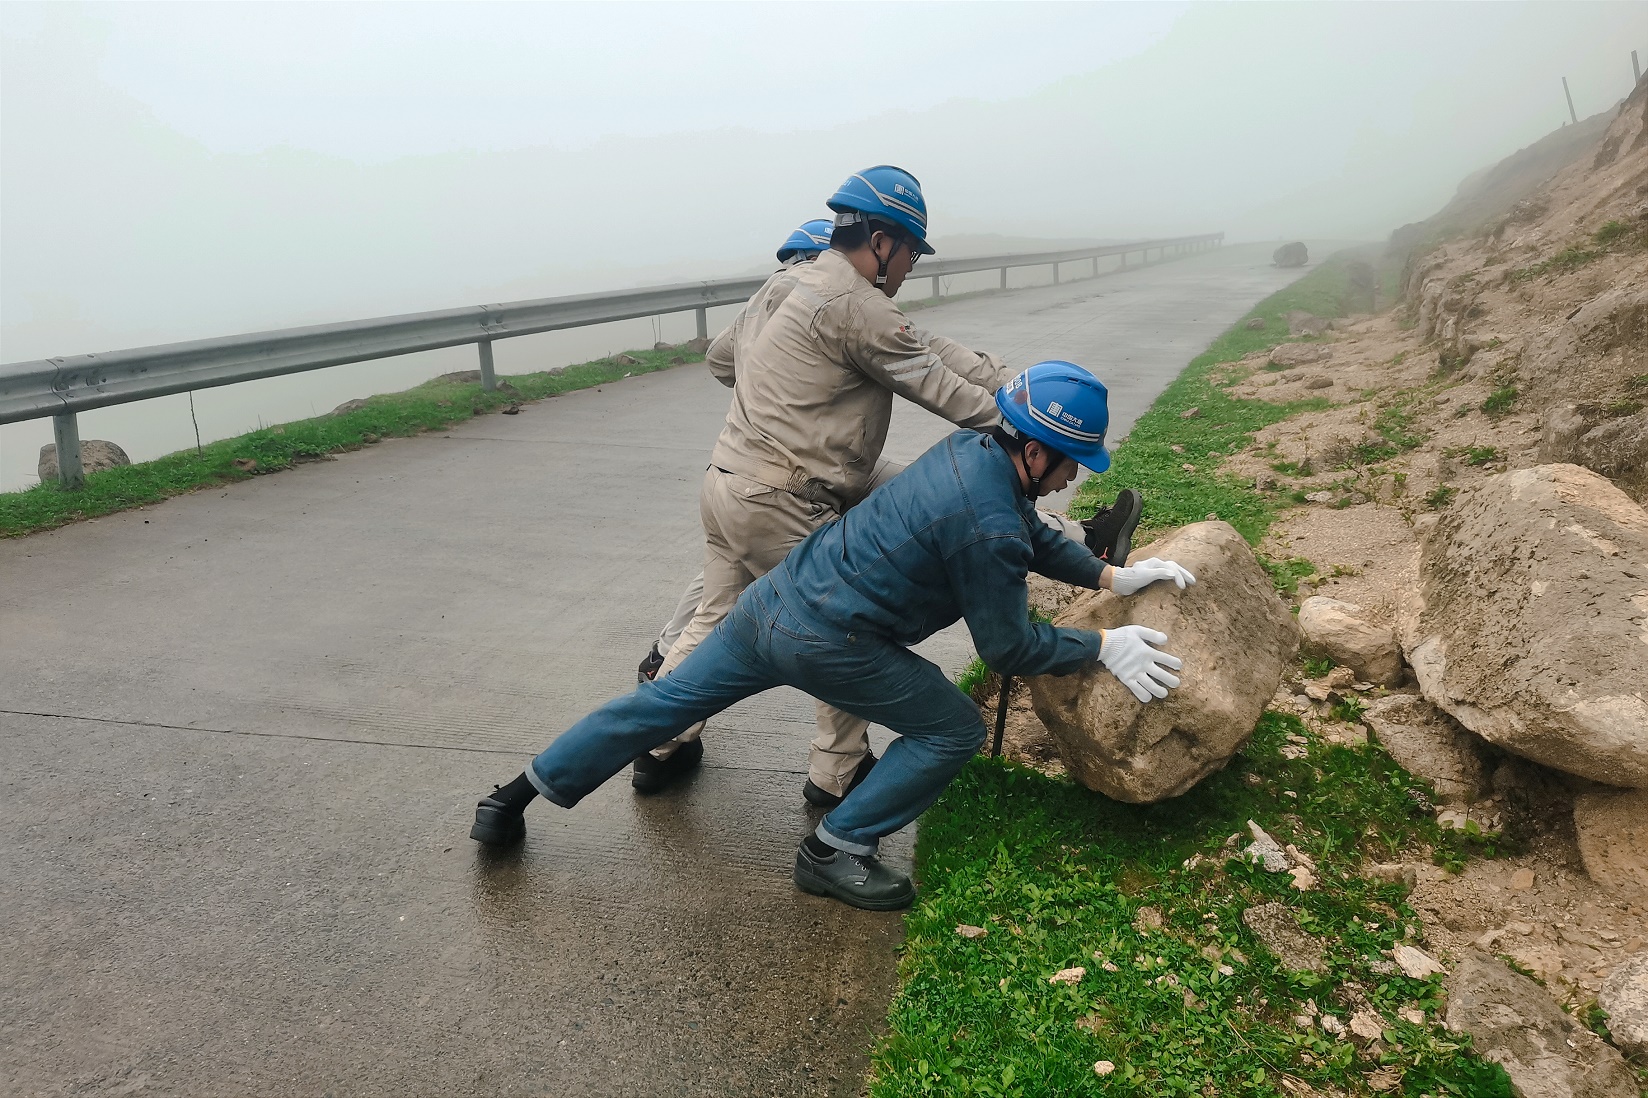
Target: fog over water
178, 171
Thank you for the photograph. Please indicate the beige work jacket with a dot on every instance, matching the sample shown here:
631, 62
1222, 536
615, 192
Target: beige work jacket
814, 361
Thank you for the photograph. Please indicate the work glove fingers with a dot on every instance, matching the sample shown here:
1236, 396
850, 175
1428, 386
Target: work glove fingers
1138, 691
1163, 676
1153, 686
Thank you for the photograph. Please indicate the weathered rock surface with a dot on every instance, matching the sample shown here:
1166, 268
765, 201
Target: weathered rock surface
1532, 623
1298, 354
462, 377
1235, 637
349, 406
1291, 255
1428, 743
1341, 632
697, 345
1515, 1023
1624, 996
1612, 828
1278, 928
1612, 445
96, 455
1300, 322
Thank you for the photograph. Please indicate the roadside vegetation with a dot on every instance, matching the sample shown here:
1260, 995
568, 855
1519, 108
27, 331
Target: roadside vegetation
1175, 995
433, 406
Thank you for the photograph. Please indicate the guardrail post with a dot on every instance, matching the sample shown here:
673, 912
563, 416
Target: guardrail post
935, 287
1004, 278
1095, 266
1055, 274
66, 430
489, 380
703, 323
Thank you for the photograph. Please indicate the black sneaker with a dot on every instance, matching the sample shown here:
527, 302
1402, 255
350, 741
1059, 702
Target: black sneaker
497, 824
649, 666
859, 880
819, 796
652, 776
1110, 530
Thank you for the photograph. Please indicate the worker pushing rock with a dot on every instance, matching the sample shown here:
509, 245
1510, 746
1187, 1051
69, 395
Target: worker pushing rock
814, 360
952, 538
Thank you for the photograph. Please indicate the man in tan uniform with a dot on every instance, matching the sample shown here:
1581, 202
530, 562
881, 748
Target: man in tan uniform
814, 360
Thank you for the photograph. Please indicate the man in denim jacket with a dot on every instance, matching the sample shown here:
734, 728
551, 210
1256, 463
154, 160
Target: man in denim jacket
954, 537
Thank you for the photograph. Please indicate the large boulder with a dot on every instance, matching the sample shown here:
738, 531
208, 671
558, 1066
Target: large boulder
1532, 623
1590, 435
96, 455
1342, 632
1298, 354
1624, 996
1291, 255
1515, 1023
1612, 829
1426, 742
1235, 637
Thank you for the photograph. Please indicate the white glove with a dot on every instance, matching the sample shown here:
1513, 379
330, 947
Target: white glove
1126, 581
1127, 654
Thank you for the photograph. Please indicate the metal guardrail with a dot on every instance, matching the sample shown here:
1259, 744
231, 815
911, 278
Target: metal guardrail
62, 387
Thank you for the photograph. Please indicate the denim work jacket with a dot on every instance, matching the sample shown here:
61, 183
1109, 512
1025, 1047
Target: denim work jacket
951, 537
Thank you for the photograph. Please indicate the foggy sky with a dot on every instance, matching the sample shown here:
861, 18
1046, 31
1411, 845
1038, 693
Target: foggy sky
180, 171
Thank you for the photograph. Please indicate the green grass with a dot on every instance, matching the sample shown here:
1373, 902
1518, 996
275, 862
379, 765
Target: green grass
432, 406
1440, 496
1500, 400
1058, 877
1613, 236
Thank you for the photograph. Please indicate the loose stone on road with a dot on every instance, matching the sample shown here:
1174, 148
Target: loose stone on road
244, 732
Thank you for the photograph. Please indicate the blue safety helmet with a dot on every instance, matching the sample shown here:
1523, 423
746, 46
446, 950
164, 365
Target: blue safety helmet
810, 239
885, 193
1061, 405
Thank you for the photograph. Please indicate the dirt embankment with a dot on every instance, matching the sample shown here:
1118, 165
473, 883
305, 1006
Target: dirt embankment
1522, 343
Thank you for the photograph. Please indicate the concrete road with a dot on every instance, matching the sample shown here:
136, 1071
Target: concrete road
243, 733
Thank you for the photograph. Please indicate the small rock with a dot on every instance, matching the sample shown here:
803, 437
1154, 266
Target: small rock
1298, 354
1341, 632
1385, 1078
1339, 678
462, 377
1067, 975
1265, 850
1332, 1025
96, 455
513, 408
349, 406
1393, 873
1147, 919
627, 360
1367, 1025
1109, 966
697, 346
1103, 1067
967, 930
1299, 857
1293, 254
1415, 963
1521, 928
1319, 497
1177, 449
245, 465
1257, 324
662, 346
1522, 880
1226, 970
1411, 1014
677, 360
1624, 996
1303, 879
1430, 744
369, 437
1278, 928
1317, 691
1319, 383
1187, 467
1190, 413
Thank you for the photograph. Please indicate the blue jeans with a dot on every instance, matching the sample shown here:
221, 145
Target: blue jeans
765, 643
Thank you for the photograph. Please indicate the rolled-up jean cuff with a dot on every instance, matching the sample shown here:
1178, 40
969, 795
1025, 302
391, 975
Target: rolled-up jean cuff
547, 791
829, 838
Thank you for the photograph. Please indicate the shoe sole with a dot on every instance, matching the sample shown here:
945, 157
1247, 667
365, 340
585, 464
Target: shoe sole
496, 836
648, 784
1124, 535
818, 798
818, 886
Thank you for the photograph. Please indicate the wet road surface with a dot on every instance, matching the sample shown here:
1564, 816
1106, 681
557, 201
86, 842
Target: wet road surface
243, 733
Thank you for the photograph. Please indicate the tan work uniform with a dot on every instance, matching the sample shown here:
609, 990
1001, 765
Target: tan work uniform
814, 361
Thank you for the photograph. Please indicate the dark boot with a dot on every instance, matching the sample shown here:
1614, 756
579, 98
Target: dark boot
497, 824
1110, 530
649, 666
859, 880
652, 776
822, 798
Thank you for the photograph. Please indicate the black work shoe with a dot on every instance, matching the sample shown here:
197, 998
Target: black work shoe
649, 666
653, 776
819, 796
497, 824
859, 880
1110, 530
